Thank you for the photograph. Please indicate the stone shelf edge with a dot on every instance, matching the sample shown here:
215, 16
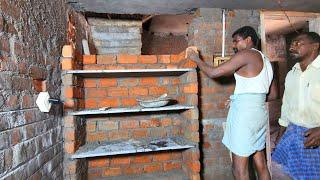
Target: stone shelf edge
131, 146
128, 72
130, 110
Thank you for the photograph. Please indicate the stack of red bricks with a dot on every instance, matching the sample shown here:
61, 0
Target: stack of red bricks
93, 93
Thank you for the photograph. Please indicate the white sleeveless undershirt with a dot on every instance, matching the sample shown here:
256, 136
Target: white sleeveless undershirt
257, 84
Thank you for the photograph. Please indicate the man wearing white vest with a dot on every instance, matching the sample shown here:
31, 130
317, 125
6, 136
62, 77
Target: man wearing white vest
247, 120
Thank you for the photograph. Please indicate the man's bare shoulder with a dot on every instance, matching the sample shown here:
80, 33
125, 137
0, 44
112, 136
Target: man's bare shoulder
248, 55
249, 52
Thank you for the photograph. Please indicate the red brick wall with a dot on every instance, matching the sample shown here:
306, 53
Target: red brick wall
93, 93
31, 36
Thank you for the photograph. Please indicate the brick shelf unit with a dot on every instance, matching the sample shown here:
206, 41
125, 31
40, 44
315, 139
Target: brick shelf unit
126, 140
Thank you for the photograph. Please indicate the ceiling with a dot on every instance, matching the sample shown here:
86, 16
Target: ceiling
187, 6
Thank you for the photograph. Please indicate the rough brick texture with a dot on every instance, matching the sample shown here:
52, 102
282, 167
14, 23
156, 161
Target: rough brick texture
32, 34
205, 32
72, 93
122, 92
163, 43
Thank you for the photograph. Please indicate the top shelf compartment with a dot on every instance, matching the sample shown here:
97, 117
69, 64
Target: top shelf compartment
128, 72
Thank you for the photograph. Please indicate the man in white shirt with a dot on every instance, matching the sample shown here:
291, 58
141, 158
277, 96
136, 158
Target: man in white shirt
298, 151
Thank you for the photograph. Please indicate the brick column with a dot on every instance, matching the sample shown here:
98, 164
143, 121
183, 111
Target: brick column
74, 127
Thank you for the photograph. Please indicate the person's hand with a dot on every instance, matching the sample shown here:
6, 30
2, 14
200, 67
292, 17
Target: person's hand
312, 138
193, 55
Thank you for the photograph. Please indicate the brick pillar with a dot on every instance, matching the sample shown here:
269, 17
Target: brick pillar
74, 127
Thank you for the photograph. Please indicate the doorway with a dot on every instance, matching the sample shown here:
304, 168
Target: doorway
277, 30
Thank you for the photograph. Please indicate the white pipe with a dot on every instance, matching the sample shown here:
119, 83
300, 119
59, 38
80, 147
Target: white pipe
223, 31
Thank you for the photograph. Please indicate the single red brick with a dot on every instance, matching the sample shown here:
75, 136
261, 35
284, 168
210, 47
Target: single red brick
175, 59
120, 160
93, 173
150, 123
188, 64
108, 82
69, 121
27, 101
116, 171
71, 167
69, 147
194, 166
176, 155
114, 67
138, 91
39, 85
141, 159
93, 67
175, 81
148, 81
140, 133
68, 92
108, 102
97, 136
168, 166
95, 93
128, 102
128, 82
108, 125
191, 88
118, 135
155, 167
69, 104
129, 124
69, 134
67, 51
133, 170
91, 103
147, 59
127, 59
100, 162
91, 126
165, 59
89, 59
15, 137
157, 90
67, 64
90, 83
172, 66
106, 59
162, 157
166, 122
117, 91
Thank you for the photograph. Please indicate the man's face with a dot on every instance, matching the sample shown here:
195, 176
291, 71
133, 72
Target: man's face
300, 47
238, 43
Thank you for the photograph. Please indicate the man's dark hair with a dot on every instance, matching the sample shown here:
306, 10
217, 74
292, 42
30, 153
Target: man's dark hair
311, 36
247, 31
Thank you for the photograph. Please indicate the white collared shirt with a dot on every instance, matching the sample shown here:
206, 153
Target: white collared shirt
301, 99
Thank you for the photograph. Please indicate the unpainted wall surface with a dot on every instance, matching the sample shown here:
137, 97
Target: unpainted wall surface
163, 43
31, 37
205, 32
